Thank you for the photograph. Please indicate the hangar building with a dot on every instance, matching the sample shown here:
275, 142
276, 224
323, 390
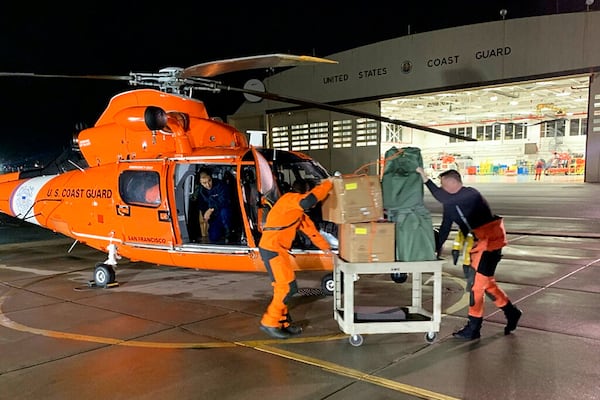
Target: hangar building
524, 89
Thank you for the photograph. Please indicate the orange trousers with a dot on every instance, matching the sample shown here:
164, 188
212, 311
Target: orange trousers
283, 280
481, 281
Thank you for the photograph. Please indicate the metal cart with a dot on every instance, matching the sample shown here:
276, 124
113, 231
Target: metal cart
413, 318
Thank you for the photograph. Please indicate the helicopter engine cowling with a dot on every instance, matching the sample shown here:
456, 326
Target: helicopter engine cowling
142, 118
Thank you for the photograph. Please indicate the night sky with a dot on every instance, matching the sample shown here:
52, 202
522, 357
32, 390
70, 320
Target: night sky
95, 38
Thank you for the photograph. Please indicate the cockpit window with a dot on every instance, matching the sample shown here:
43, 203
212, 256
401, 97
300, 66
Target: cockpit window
140, 188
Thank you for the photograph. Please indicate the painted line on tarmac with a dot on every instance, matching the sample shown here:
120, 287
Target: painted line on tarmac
351, 373
463, 301
259, 345
9, 323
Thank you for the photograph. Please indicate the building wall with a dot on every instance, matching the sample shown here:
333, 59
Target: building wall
477, 55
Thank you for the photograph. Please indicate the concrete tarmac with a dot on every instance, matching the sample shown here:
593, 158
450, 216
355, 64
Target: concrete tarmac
175, 333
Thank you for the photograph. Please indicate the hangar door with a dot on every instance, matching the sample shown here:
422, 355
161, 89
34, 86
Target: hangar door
339, 142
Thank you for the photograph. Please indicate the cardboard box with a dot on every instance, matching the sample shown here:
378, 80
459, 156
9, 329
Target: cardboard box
367, 242
354, 199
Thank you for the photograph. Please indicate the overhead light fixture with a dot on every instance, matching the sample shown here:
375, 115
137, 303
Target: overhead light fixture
588, 3
493, 98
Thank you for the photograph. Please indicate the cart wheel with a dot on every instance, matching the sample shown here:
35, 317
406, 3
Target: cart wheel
399, 277
355, 340
430, 337
328, 284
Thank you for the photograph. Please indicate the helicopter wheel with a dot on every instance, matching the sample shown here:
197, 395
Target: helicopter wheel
328, 284
104, 275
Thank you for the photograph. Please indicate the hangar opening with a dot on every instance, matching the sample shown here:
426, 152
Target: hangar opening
515, 125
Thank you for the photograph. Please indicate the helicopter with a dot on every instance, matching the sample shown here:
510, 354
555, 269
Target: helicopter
160, 137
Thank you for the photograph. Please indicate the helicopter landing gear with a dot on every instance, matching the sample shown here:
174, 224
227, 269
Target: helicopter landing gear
104, 276
104, 273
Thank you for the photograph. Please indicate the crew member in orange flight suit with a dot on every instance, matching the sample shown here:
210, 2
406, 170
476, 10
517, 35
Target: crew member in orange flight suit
283, 220
466, 207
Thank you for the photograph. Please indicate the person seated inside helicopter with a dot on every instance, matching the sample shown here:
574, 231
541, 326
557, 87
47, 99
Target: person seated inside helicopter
214, 200
152, 195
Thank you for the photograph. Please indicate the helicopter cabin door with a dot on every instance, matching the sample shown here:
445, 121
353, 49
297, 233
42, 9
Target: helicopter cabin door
143, 210
266, 185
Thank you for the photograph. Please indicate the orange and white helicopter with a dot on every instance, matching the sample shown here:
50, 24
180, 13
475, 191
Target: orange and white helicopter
160, 137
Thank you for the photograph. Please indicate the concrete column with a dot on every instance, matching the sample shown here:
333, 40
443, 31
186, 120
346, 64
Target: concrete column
592, 152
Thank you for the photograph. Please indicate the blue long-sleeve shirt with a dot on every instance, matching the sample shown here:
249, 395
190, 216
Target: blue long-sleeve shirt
218, 197
473, 206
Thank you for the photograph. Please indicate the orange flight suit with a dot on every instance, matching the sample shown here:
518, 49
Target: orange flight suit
490, 238
284, 219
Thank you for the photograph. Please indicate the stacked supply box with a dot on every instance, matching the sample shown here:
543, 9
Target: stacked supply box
355, 204
367, 242
354, 199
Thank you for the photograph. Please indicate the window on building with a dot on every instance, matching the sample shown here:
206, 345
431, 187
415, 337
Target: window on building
299, 136
509, 132
319, 135
341, 135
552, 129
497, 132
574, 127
479, 133
520, 131
366, 132
489, 132
392, 133
462, 131
280, 138
578, 127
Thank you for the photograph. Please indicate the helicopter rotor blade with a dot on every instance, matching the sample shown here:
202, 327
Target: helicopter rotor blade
100, 77
214, 68
177, 78
342, 110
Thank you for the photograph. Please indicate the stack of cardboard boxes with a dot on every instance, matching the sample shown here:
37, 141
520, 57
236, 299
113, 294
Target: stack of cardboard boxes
355, 204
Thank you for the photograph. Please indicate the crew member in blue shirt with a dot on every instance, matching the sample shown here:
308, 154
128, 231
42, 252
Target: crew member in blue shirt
215, 206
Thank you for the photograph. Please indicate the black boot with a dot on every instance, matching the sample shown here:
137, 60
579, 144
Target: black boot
470, 330
288, 327
276, 333
513, 314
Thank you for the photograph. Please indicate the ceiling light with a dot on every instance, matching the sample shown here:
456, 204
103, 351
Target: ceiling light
493, 98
